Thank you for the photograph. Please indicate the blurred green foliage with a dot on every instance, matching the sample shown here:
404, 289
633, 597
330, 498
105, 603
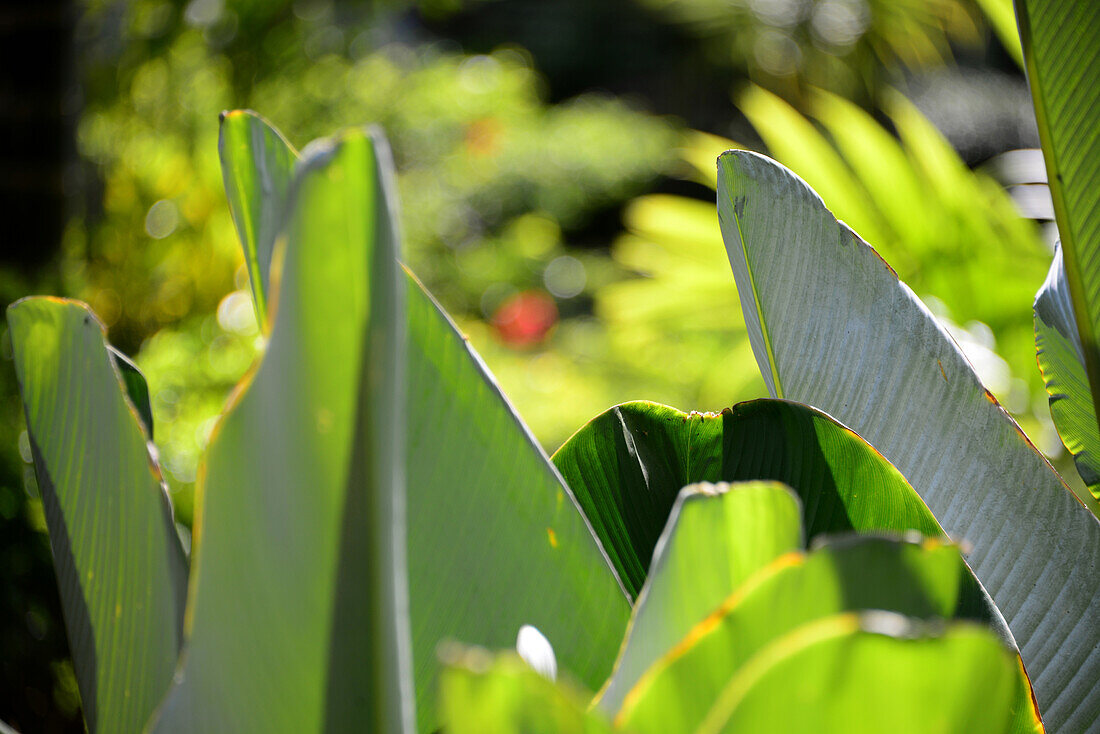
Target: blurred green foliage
846, 46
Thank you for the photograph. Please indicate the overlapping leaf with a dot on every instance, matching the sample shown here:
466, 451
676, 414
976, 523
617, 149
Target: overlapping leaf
866, 672
1061, 41
495, 538
296, 615
120, 567
831, 325
1062, 362
257, 169
627, 466
738, 529
755, 572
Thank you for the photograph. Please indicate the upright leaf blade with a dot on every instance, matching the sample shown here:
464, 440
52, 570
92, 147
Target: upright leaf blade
496, 540
294, 622
627, 466
1061, 41
837, 329
257, 169
1062, 363
120, 567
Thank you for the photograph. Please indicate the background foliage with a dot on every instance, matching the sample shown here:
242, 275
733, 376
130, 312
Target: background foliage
555, 199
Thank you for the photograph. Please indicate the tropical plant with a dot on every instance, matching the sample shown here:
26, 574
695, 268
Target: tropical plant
832, 325
369, 493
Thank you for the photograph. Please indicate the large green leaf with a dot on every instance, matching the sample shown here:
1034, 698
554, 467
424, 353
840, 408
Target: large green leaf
257, 169
864, 672
627, 466
1062, 363
495, 538
738, 529
926, 580
296, 618
120, 567
831, 325
502, 695
1061, 40
741, 529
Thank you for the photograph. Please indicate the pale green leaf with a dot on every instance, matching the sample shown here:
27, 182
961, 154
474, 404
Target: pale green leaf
257, 169
296, 618
831, 325
495, 538
120, 567
502, 695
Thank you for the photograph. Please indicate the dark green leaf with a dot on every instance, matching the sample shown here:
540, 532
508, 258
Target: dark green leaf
627, 466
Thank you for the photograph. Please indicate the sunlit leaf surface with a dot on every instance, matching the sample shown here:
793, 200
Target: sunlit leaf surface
495, 538
1061, 40
832, 325
863, 672
1062, 362
503, 695
296, 617
717, 536
120, 567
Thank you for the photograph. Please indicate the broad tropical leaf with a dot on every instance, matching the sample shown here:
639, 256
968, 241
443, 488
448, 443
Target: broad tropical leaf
1061, 41
758, 576
738, 529
831, 325
296, 617
257, 169
1062, 363
495, 538
120, 567
627, 466
873, 671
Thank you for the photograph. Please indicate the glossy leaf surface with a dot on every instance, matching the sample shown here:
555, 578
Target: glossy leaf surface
120, 567
862, 672
627, 466
297, 609
831, 325
717, 536
1062, 363
1061, 41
